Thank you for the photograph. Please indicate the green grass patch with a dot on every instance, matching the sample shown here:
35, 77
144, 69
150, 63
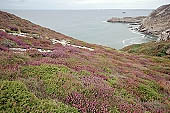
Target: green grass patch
160, 60
107, 70
113, 81
124, 94
82, 73
151, 48
149, 91
134, 48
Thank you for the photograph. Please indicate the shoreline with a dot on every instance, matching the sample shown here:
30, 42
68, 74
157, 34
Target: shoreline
134, 26
156, 24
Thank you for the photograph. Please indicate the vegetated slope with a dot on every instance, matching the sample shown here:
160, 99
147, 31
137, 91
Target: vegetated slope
38, 75
160, 49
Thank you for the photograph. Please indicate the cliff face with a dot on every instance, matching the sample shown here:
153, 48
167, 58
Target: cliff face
158, 23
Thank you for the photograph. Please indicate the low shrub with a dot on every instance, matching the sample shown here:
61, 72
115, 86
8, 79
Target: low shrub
14, 97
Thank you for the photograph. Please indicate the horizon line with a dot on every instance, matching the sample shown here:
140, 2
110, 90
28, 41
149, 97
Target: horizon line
88, 9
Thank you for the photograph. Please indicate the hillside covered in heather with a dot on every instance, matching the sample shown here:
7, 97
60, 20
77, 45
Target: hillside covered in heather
45, 71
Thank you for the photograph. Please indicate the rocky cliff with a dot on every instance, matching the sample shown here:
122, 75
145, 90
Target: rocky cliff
158, 23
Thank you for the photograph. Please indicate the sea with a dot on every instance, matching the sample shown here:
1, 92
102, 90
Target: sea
90, 25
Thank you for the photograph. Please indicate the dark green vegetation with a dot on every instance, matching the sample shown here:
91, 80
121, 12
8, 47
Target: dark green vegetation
16, 98
159, 49
70, 80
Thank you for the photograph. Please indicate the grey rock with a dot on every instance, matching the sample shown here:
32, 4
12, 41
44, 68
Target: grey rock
158, 23
132, 20
168, 52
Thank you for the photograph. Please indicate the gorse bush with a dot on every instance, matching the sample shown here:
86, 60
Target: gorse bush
148, 93
15, 98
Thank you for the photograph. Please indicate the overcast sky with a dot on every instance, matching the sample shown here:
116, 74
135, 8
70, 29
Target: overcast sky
81, 4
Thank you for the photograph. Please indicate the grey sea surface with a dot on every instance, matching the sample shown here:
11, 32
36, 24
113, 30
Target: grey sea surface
90, 25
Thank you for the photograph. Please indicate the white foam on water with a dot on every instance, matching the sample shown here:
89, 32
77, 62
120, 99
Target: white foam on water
104, 21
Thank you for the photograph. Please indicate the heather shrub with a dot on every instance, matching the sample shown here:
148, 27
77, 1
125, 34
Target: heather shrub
156, 107
34, 53
14, 38
73, 49
15, 97
86, 105
8, 43
3, 34
12, 60
61, 85
56, 54
162, 69
13, 28
18, 41
58, 80
98, 87
46, 60
8, 74
102, 76
2, 48
125, 107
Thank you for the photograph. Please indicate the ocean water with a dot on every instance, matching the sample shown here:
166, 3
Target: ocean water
89, 25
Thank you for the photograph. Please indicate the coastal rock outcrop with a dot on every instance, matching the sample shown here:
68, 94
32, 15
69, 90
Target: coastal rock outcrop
127, 19
158, 23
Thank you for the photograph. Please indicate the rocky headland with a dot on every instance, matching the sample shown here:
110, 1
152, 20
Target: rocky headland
156, 24
127, 19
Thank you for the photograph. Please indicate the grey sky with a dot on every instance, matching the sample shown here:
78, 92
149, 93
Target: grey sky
81, 4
